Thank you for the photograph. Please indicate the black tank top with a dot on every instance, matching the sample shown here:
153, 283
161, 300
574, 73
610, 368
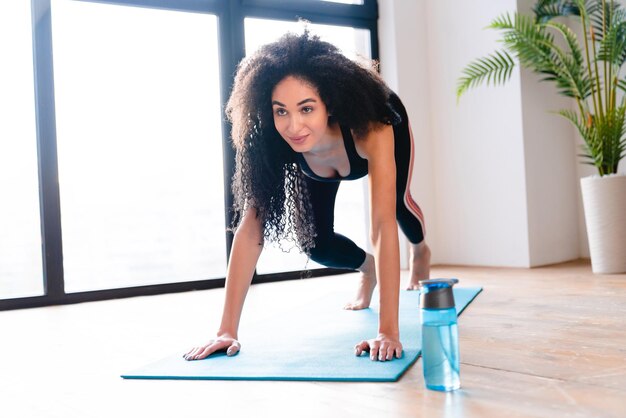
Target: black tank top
358, 165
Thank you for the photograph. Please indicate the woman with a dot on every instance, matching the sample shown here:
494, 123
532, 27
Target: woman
304, 117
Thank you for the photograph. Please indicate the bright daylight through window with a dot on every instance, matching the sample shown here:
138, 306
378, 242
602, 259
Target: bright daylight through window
21, 271
140, 145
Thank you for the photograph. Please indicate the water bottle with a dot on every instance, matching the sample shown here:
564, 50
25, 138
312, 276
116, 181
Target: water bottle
440, 336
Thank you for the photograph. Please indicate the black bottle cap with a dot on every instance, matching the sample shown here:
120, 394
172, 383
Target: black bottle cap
437, 293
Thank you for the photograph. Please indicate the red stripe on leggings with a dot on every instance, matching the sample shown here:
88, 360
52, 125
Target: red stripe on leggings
408, 199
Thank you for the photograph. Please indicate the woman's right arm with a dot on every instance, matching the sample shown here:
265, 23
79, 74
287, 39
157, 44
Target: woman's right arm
245, 252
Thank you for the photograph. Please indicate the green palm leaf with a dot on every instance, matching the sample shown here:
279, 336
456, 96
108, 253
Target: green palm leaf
531, 43
599, 14
535, 48
574, 118
613, 46
551, 48
495, 68
573, 81
546, 10
604, 141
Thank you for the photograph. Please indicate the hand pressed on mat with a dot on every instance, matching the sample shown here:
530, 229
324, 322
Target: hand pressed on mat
224, 342
381, 348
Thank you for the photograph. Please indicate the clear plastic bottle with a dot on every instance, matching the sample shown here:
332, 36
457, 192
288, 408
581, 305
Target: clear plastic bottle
440, 337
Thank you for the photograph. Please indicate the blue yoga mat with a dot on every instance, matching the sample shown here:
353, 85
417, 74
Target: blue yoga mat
315, 342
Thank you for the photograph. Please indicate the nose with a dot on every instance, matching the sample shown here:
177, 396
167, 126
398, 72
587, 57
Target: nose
295, 124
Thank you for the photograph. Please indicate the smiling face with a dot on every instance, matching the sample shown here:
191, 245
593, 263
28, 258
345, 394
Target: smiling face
300, 115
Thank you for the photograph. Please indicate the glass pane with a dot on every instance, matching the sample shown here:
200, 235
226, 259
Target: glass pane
21, 271
350, 207
140, 146
345, 1
352, 42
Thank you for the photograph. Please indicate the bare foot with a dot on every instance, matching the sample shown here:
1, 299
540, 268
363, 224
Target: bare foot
366, 287
420, 264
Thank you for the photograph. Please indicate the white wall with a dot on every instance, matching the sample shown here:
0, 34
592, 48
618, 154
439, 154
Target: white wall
497, 175
551, 176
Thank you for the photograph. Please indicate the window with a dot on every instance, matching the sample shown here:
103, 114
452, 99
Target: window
20, 229
140, 145
111, 116
345, 1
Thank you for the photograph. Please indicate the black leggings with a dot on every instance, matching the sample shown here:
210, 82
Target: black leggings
335, 250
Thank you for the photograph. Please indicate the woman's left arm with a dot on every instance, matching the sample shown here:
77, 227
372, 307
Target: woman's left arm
378, 148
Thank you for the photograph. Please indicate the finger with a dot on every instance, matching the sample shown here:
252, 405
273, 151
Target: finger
188, 353
233, 349
399, 352
390, 352
201, 349
212, 348
192, 353
382, 352
374, 351
361, 347
207, 351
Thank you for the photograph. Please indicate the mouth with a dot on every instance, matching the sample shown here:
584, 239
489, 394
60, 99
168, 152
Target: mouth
298, 139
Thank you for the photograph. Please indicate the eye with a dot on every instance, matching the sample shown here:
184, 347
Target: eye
280, 112
307, 109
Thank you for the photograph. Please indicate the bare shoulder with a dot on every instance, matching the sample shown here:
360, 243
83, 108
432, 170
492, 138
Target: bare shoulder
379, 137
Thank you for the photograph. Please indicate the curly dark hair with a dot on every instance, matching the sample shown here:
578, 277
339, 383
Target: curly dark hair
267, 176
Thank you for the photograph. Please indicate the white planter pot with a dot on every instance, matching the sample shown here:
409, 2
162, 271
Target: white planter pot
604, 200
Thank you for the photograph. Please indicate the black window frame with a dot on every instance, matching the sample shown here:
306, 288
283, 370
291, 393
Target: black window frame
231, 15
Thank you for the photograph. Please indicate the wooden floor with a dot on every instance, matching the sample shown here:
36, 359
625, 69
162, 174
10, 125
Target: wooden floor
544, 342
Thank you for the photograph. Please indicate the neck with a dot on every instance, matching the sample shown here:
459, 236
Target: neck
328, 144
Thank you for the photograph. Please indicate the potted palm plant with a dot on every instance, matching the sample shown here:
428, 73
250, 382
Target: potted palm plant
586, 69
